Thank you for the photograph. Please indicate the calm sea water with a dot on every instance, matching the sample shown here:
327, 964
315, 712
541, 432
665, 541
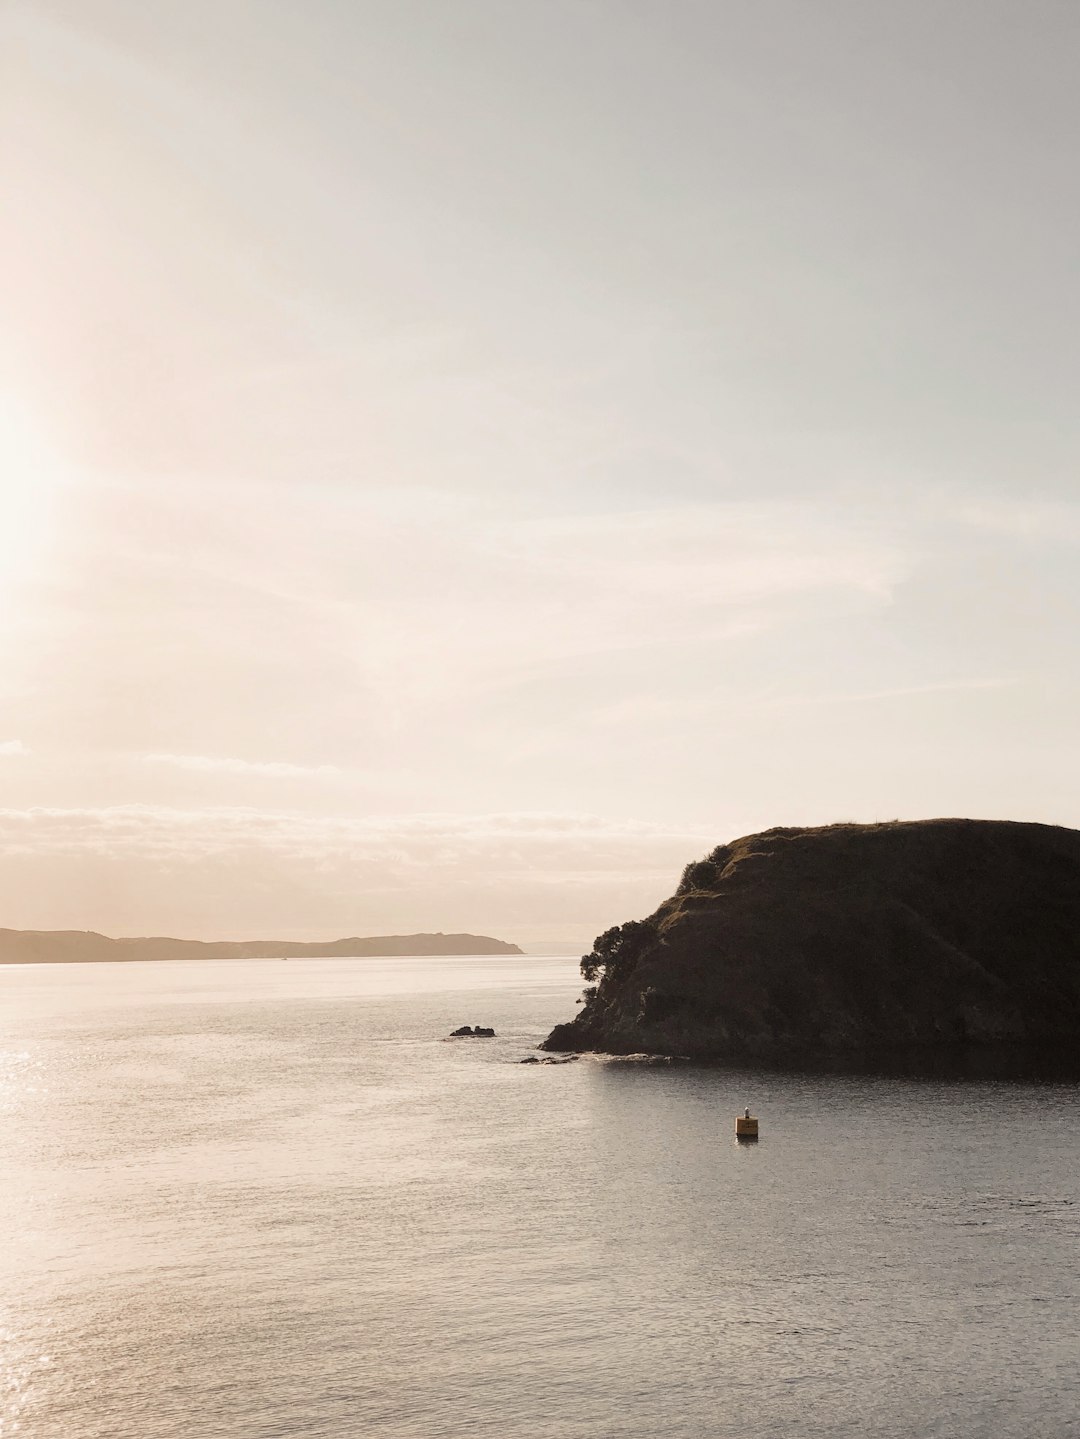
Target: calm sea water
270, 1199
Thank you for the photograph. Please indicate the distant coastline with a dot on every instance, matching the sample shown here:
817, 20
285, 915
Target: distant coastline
79, 946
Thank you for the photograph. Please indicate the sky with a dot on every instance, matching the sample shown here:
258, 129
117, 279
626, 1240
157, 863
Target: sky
461, 461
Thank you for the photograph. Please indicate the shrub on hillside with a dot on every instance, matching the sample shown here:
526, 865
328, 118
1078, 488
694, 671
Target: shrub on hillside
617, 951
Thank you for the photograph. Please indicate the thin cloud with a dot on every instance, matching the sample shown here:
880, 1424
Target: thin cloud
548, 843
14, 747
138, 869
486, 600
1027, 518
900, 692
230, 765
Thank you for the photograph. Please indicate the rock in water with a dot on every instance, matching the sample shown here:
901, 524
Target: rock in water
849, 940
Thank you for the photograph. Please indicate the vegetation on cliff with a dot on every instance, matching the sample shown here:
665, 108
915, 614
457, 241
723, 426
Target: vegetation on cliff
929, 935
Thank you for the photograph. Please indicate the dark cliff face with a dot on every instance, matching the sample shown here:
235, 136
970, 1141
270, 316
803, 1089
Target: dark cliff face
936, 935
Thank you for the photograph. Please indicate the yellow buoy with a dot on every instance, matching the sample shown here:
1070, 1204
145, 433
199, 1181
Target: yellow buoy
745, 1126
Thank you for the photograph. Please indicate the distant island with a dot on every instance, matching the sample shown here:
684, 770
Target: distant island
79, 946
940, 937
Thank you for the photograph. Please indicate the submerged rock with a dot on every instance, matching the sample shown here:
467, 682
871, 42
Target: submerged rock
934, 936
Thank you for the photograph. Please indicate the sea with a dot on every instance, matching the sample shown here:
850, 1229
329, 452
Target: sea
261, 1199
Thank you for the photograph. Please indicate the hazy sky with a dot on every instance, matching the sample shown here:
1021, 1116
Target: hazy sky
463, 458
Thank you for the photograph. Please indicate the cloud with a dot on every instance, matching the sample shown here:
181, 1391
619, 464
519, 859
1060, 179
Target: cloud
1028, 517
238, 870
959, 686
404, 855
347, 613
549, 842
229, 765
13, 747
454, 595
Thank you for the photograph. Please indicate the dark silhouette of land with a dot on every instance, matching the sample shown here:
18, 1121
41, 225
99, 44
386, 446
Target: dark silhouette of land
77, 946
936, 937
